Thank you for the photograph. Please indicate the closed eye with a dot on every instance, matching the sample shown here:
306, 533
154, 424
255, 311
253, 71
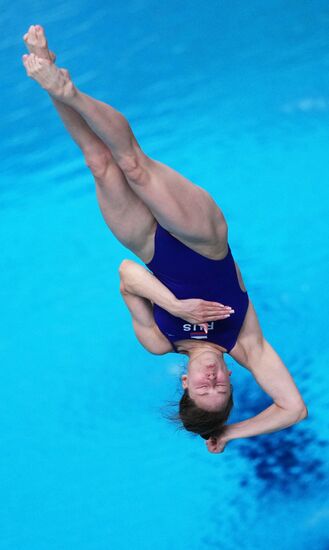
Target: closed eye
217, 386
207, 393
218, 393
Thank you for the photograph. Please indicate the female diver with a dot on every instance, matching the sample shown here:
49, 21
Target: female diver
179, 232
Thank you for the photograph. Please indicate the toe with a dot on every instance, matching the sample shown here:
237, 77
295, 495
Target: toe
31, 61
27, 65
37, 62
33, 33
40, 36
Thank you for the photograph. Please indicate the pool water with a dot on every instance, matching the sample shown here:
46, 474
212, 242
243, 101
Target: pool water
235, 96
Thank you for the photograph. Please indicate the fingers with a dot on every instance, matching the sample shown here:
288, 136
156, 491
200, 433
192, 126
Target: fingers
213, 311
215, 445
212, 318
218, 306
204, 319
218, 311
212, 447
208, 315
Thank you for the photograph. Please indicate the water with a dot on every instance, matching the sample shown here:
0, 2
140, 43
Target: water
235, 96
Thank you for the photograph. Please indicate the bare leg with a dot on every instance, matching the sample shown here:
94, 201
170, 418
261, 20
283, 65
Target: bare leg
126, 215
181, 207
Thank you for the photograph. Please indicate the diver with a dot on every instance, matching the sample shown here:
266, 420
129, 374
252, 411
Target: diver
190, 298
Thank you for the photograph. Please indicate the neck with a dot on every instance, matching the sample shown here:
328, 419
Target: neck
192, 348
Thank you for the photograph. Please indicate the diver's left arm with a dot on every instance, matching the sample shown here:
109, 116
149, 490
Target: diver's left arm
272, 419
274, 378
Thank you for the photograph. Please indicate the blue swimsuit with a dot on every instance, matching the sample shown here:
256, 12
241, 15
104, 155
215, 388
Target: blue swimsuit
190, 275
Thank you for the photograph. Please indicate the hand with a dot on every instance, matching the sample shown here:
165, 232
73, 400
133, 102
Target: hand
216, 444
201, 312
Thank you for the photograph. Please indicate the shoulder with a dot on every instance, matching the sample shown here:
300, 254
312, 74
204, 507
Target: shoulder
152, 339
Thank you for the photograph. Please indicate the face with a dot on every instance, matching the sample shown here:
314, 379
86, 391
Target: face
208, 380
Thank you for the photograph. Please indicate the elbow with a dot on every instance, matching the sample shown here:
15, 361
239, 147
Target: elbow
300, 413
123, 272
297, 413
123, 278
123, 267
303, 413
301, 410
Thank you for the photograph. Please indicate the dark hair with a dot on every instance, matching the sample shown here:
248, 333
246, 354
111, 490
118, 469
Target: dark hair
205, 423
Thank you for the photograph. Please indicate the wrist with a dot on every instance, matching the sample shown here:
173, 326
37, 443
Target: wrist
230, 433
175, 307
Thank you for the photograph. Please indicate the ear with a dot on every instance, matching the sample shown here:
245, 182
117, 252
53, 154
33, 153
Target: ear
184, 381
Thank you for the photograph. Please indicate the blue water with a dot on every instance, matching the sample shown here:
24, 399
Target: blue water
235, 95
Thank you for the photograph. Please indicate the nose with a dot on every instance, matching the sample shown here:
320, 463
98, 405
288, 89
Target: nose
211, 375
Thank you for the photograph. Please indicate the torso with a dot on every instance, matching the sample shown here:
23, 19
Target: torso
184, 346
250, 337
216, 251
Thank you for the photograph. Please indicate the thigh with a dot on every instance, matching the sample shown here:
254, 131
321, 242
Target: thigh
129, 219
183, 208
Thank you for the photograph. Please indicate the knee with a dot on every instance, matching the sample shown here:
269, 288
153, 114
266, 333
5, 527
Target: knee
98, 162
134, 168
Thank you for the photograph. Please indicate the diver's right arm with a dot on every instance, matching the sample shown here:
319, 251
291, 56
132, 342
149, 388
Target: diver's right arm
145, 327
140, 289
137, 280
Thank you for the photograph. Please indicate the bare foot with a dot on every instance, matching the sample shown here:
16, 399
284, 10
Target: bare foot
36, 42
56, 81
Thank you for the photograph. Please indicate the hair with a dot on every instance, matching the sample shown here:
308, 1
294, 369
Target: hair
199, 421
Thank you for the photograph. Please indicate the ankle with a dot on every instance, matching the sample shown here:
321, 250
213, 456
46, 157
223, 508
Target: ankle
70, 94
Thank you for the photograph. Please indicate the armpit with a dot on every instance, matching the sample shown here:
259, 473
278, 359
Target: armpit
250, 338
241, 283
